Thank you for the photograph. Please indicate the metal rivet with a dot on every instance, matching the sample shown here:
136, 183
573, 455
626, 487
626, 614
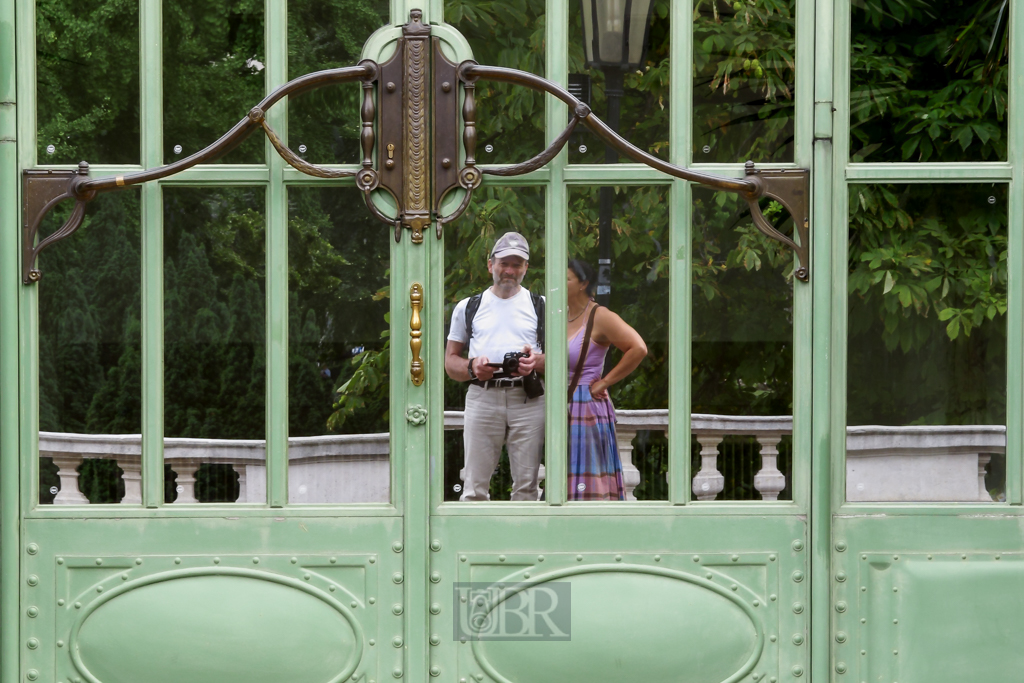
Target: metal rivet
32, 643
657, 558
895, 652
435, 577
895, 557
526, 575
435, 608
32, 549
255, 560
840, 667
734, 587
863, 557
840, 636
863, 652
60, 602
929, 557
798, 607
60, 560
463, 558
841, 576
501, 558
397, 546
863, 620
124, 577
963, 557
863, 589
332, 588
709, 576
435, 545
757, 603
34, 611
78, 605
216, 560
353, 604
798, 671
841, 546
798, 545
772, 638
446, 86
99, 589
735, 558
895, 589
32, 580
397, 608
773, 679
798, 639
333, 560
397, 673
397, 577
397, 641
771, 557
99, 561
435, 671
696, 558
372, 601
177, 560
307, 577
773, 597
540, 558
798, 576
435, 639
32, 674
840, 606
60, 643
579, 558
372, 559
372, 641
294, 560
446, 163
999, 557
618, 558
390, 86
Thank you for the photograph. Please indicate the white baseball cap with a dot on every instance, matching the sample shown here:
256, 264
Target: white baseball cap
511, 244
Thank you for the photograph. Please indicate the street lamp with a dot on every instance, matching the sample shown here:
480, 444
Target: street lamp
614, 40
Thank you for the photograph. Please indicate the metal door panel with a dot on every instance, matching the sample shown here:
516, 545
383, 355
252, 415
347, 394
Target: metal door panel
203, 599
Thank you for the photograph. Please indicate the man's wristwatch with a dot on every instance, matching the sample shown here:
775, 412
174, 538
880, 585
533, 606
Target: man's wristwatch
472, 375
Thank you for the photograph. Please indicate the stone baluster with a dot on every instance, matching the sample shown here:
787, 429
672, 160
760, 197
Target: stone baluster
709, 482
769, 481
243, 495
132, 477
630, 474
983, 461
67, 469
186, 480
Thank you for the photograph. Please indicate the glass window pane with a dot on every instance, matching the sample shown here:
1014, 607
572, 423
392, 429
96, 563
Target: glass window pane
214, 58
926, 366
339, 351
617, 443
633, 101
87, 71
324, 124
215, 345
742, 367
477, 417
509, 118
90, 357
928, 81
744, 80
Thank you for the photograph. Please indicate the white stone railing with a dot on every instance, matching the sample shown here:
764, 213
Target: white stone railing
942, 463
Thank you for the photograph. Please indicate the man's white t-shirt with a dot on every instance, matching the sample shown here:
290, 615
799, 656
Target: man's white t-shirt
499, 326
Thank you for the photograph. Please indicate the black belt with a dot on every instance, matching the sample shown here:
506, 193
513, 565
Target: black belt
503, 383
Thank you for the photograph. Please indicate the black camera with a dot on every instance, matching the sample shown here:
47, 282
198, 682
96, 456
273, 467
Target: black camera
532, 384
510, 364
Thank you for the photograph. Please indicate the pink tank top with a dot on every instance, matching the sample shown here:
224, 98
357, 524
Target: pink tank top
594, 363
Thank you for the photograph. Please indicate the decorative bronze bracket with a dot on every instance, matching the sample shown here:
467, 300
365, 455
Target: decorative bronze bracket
418, 119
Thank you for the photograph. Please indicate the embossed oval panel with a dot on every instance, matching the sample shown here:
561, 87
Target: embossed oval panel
210, 628
630, 626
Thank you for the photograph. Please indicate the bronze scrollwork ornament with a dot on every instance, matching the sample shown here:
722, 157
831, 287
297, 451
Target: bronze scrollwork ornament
411, 124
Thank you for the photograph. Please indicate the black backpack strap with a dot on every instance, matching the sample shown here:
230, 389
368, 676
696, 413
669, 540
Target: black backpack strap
538, 307
472, 306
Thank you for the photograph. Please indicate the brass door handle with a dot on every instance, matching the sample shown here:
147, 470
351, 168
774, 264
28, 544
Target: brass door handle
415, 333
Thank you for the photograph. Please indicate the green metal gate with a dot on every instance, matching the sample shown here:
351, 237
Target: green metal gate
791, 527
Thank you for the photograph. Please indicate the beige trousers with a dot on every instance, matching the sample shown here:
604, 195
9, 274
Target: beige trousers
494, 417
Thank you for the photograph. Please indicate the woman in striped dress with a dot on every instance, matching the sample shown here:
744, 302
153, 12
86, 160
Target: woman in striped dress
595, 471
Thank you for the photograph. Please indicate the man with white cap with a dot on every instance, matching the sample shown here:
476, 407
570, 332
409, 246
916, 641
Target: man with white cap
504, 318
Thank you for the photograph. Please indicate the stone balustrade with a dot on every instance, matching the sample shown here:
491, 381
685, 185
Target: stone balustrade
944, 463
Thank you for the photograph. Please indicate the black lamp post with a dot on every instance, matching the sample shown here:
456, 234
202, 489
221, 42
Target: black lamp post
615, 40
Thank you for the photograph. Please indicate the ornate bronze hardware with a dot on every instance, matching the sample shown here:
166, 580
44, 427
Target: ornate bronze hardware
418, 166
415, 333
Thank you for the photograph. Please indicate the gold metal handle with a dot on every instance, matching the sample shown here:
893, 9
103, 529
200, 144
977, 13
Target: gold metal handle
415, 325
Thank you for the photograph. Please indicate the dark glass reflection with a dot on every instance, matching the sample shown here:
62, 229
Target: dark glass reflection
339, 349
90, 355
87, 81
744, 81
510, 118
468, 244
639, 294
928, 80
927, 340
215, 341
323, 125
214, 70
643, 96
742, 365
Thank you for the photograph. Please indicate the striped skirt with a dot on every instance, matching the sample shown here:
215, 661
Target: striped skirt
595, 471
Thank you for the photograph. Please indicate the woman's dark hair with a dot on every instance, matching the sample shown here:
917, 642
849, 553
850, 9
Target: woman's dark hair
584, 273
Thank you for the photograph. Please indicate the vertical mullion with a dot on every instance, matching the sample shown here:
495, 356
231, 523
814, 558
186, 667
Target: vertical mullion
9, 414
680, 246
151, 114
806, 94
556, 60
1015, 293
276, 36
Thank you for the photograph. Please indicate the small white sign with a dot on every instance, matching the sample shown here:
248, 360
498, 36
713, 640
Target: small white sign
50, 149
53, 490
706, 149
302, 149
180, 489
488, 148
583, 149
581, 487
457, 488
177, 149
